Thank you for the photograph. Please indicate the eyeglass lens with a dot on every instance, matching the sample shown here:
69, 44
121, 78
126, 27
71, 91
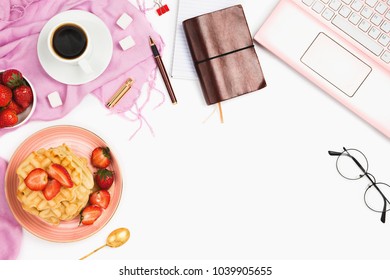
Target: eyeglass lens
347, 166
374, 200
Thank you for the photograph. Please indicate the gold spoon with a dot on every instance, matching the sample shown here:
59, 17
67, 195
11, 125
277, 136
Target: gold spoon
115, 239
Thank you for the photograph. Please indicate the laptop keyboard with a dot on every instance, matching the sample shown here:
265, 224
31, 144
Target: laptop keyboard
366, 21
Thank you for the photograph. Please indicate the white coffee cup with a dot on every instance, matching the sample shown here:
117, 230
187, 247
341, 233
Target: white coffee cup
70, 43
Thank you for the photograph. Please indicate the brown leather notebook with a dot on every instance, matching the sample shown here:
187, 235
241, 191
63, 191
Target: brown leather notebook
223, 54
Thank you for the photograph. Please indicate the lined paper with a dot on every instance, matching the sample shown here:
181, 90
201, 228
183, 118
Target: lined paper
182, 66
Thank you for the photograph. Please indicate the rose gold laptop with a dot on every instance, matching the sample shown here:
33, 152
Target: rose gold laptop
343, 46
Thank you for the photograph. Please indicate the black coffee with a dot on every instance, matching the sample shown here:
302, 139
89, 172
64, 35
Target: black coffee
69, 41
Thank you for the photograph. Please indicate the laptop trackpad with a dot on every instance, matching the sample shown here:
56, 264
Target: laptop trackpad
335, 64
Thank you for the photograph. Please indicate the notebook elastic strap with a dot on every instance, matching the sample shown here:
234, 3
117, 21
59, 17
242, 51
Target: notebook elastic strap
224, 54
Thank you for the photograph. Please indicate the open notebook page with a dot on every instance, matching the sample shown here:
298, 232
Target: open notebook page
182, 66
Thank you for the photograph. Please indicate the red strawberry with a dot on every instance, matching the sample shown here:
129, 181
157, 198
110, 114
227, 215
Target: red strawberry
36, 180
23, 96
8, 118
104, 178
101, 157
90, 214
1, 78
12, 78
5, 95
15, 107
53, 187
100, 198
58, 172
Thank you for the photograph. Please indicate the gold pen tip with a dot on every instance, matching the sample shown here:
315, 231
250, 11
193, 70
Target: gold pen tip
151, 40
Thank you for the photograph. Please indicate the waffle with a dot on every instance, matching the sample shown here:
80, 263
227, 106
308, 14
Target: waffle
69, 202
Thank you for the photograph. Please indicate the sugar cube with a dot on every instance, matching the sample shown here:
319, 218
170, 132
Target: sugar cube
124, 21
127, 43
54, 99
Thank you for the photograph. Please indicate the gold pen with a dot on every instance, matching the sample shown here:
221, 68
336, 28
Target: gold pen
120, 93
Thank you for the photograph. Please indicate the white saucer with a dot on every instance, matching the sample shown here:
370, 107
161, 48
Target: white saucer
100, 57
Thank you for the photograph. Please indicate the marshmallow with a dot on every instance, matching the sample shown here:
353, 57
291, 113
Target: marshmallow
54, 99
127, 43
124, 21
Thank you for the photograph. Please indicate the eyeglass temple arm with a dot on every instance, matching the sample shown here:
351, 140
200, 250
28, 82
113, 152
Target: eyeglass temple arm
333, 153
374, 184
356, 161
385, 200
384, 211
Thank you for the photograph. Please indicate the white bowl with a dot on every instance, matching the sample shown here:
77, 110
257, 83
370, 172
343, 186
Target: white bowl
26, 114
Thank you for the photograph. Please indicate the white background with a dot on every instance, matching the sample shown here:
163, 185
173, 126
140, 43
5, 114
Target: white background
259, 186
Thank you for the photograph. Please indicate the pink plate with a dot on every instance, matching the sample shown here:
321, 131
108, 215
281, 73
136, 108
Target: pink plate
82, 142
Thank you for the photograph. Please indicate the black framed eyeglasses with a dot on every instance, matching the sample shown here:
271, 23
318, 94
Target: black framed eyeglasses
352, 164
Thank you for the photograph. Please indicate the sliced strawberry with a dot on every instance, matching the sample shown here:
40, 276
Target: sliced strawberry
101, 157
36, 180
104, 178
90, 214
100, 198
58, 172
53, 187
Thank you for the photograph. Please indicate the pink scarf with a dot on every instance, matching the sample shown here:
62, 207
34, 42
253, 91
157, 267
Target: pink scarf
10, 230
20, 24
